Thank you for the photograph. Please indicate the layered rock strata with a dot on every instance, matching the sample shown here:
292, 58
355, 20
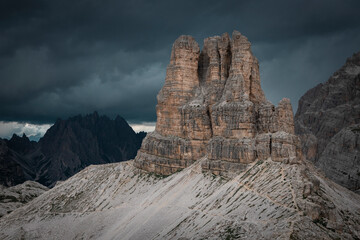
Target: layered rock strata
327, 121
212, 106
340, 159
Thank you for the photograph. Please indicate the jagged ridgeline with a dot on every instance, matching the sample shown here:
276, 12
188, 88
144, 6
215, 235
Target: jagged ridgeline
212, 106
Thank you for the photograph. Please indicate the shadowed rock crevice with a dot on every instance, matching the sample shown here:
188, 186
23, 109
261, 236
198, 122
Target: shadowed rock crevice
212, 106
210, 122
203, 67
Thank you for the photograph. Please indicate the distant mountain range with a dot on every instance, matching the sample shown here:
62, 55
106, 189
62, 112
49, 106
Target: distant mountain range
67, 147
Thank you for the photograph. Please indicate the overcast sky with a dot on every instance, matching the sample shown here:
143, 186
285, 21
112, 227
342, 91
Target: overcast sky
63, 58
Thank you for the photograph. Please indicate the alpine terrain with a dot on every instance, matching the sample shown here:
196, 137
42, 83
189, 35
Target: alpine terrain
328, 123
17, 196
66, 148
222, 163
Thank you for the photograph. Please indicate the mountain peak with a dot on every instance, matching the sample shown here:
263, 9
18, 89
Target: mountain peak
212, 106
118, 118
354, 59
324, 119
67, 147
20, 144
95, 115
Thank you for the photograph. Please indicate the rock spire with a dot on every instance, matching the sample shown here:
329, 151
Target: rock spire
212, 106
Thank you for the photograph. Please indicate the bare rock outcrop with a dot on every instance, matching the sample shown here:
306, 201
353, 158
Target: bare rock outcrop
17, 196
212, 106
323, 113
340, 159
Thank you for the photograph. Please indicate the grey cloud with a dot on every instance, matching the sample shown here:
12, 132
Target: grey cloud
134, 95
33, 131
61, 58
303, 64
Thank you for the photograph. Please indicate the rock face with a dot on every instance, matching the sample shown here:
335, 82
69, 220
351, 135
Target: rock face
326, 122
71, 145
340, 159
17, 196
13, 162
212, 106
66, 148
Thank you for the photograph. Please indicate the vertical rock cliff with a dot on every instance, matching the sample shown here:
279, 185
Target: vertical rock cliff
212, 106
328, 123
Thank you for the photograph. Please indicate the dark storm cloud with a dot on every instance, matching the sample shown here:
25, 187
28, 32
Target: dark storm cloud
60, 58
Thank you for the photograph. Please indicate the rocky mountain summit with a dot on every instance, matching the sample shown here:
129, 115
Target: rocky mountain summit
67, 147
212, 106
327, 122
71, 145
235, 167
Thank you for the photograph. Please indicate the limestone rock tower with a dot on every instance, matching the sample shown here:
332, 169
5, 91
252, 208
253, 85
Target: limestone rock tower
212, 106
